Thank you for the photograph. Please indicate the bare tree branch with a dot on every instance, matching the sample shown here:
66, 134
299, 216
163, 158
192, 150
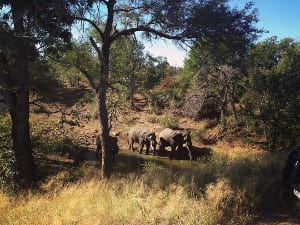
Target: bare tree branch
128, 9
87, 75
98, 50
92, 23
146, 29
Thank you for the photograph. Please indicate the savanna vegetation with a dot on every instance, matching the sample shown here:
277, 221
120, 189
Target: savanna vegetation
72, 70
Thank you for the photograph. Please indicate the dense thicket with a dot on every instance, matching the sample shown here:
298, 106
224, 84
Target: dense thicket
272, 92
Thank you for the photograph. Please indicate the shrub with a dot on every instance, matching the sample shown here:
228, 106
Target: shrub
168, 121
45, 139
7, 159
196, 134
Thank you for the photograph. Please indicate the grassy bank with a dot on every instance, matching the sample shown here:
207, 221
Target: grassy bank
223, 190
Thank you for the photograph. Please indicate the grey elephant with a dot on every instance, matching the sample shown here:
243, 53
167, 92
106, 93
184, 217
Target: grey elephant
175, 139
113, 143
142, 136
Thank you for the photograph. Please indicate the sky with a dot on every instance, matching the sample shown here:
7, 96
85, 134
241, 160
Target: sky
280, 18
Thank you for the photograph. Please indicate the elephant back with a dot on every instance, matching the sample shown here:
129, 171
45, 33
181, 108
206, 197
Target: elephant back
168, 133
136, 132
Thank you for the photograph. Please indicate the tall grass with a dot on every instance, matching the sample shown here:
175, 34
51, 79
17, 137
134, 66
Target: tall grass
227, 190
122, 201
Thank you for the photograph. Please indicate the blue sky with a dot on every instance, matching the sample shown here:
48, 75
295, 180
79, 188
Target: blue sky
280, 17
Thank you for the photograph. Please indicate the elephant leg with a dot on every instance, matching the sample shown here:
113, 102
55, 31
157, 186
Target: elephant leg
154, 152
190, 154
130, 146
161, 146
147, 148
162, 149
141, 147
173, 148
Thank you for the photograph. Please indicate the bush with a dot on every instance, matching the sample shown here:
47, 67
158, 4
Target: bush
168, 121
7, 159
196, 134
45, 140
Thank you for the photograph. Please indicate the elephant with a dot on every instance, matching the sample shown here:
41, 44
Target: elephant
113, 143
142, 136
175, 139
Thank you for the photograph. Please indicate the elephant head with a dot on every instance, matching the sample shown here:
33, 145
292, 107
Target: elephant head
183, 137
149, 137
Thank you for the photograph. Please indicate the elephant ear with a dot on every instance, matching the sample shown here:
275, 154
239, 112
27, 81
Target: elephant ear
151, 136
177, 135
145, 135
186, 134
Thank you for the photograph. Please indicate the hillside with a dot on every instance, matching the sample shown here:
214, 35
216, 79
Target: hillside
227, 172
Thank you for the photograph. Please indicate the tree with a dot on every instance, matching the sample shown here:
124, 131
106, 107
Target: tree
128, 69
177, 20
25, 25
271, 103
217, 70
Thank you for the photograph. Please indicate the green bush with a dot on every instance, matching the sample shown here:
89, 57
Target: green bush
45, 141
151, 166
7, 159
168, 121
196, 134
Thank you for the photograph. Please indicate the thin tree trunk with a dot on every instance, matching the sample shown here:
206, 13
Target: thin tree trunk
106, 168
232, 92
224, 111
132, 89
104, 134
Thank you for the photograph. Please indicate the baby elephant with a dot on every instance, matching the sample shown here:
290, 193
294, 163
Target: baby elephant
142, 136
113, 144
175, 139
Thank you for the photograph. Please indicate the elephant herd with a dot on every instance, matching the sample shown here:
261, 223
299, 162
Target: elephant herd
145, 137
168, 137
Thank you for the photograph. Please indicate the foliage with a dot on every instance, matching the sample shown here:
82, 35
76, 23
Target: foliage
7, 159
128, 69
152, 167
237, 30
169, 92
272, 100
197, 134
216, 69
43, 143
168, 121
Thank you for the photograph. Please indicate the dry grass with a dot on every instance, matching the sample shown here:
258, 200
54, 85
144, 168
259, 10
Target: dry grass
131, 200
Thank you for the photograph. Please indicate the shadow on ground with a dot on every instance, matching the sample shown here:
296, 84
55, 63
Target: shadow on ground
68, 96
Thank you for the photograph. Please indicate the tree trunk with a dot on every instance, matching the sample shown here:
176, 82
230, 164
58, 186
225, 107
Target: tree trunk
223, 111
21, 139
104, 134
106, 168
19, 106
232, 93
132, 89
